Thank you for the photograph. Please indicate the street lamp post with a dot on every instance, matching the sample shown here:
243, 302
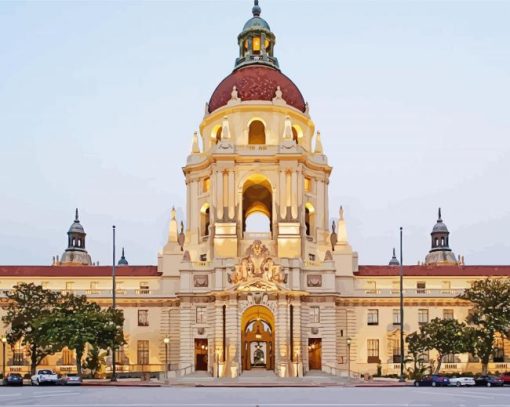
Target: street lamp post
4, 342
167, 342
401, 311
348, 357
114, 289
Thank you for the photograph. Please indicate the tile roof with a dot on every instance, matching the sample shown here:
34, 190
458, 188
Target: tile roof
78, 271
434, 270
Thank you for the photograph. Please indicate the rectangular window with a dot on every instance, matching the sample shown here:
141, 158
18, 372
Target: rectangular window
143, 317
396, 316
420, 287
423, 316
17, 357
371, 287
118, 287
395, 345
45, 284
373, 317
447, 314
315, 314
144, 288
200, 315
446, 287
206, 186
395, 287
120, 356
450, 358
308, 184
143, 352
373, 351
67, 357
69, 285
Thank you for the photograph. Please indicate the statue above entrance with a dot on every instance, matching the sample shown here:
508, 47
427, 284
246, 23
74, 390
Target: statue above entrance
257, 269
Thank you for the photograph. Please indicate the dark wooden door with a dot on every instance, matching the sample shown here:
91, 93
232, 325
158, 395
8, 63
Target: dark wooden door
201, 354
315, 353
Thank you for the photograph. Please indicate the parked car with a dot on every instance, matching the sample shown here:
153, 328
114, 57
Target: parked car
489, 381
462, 381
432, 380
71, 379
505, 377
44, 376
13, 379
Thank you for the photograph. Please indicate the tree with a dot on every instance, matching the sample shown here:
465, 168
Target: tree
76, 322
96, 358
489, 315
27, 305
446, 336
417, 345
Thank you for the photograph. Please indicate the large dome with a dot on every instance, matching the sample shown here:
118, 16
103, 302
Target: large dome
256, 82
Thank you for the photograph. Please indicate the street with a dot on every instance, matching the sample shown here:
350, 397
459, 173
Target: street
252, 397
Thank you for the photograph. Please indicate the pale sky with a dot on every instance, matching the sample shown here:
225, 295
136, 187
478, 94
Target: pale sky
99, 100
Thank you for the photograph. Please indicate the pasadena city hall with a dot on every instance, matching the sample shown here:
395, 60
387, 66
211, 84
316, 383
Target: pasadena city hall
292, 299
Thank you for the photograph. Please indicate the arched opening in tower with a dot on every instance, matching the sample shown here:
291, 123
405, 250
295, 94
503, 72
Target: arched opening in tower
205, 220
257, 205
257, 133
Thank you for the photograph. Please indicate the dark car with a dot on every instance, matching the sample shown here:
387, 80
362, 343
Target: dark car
432, 380
13, 379
505, 377
71, 379
489, 381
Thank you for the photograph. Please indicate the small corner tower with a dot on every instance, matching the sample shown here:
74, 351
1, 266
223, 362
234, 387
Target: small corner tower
122, 260
440, 252
394, 261
76, 254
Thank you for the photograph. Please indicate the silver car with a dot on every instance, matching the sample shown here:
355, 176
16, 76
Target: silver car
462, 381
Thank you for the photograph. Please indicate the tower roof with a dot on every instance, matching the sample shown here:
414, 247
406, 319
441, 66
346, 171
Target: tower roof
76, 227
394, 261
439, 227
256, 74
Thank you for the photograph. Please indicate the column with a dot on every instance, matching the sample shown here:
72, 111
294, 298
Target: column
293, 194
283, 190
231, 194
219, 195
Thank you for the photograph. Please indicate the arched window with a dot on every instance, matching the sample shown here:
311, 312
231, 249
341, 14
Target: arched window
295, 135
218, 135
205, 220
309, 219
442, 242
257, 133
437, 242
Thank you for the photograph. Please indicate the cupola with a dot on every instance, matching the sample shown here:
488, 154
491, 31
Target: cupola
256, 42
394, 261
440, 251
76, 254
122, 260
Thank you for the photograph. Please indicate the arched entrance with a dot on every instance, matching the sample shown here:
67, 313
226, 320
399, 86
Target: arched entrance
257, 198
257, 338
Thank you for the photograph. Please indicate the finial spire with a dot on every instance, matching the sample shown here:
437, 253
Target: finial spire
256, 10
123, 252
439, 215
76, 219
341, 212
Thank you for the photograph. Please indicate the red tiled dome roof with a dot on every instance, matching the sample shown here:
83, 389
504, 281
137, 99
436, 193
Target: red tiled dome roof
256, 82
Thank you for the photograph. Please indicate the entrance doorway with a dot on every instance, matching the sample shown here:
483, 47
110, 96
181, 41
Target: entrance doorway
201, 354
315, 353
257, 338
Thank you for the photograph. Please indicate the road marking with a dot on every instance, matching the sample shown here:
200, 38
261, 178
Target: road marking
54, 394
463, 394
252, 404
10, 395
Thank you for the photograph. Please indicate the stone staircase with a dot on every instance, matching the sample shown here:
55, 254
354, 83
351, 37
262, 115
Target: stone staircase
263, 378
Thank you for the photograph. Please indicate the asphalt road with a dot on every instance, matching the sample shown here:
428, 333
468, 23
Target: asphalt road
252, 397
